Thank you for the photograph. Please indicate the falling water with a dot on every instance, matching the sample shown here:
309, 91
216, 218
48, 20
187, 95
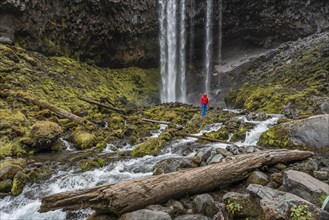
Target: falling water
208, 54
191, 33
182, 53
172, 50
172, 45
163, 51
220, 33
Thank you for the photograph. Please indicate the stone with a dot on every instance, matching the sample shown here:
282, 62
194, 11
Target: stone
276, 204
216, 159
242, 206
191, 217
9, 171
176, 207
224, 152
172, 165
45, 134
258, 177
145, 214
19, 183
159, 208
321, 175
304, 186
5, 186
6, 40
205, 205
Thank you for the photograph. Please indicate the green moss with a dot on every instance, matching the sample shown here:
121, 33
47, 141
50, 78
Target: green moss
151, 146
19, 183
86, 165
6, 185
10, 148
83, 139
275, 137
239, 135
221, 134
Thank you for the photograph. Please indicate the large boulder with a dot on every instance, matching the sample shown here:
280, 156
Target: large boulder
305, 186
242, 206
309, 132
205, 205
258, 177
145, 214
19, 183
277, 204
9, 171
44, 134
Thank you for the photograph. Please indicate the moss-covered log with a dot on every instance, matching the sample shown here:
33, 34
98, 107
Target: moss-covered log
135, 194
46, 105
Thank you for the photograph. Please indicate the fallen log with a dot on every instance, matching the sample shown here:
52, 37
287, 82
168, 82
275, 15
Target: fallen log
46, 105
155, 121
103, 105
203, 138
136, 194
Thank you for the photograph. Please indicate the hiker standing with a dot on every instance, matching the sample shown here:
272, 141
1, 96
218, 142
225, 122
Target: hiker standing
204, 103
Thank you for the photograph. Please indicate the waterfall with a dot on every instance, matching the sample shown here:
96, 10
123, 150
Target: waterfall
220, 33
172, 50
182, 53
208, 43
192, 14
163, 51
172, 45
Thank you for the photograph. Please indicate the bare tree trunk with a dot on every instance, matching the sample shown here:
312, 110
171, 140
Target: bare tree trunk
135, 194
203, 138
103, 106
53, 108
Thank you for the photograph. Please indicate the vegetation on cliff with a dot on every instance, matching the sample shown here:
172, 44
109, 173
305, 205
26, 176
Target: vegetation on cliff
292, 80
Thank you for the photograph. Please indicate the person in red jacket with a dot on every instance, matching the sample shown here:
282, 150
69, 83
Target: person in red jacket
204, 102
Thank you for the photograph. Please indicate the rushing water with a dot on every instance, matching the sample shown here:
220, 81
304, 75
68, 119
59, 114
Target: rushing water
208, 45
26, 205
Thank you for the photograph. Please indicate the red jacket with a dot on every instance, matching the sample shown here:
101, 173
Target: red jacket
204, 100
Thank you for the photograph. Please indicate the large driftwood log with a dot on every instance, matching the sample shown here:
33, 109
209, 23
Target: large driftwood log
103, 105
203, 138
46, 105
135, 194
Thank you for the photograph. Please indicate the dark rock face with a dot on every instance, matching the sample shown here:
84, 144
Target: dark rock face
125, 33
109, 32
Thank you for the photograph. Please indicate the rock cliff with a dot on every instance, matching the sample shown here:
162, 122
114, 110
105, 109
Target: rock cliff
125, 33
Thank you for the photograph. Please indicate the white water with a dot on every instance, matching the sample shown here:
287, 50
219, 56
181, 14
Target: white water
182, 52
172, 50
220, 33
208, 45
253, 135
25, 206
163, 49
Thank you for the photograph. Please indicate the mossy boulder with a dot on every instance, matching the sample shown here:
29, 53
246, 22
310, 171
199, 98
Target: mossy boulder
83, 139
9, 171
258, 178
205, 205
87, 165
307, 134
45, 134
239, 135
221, 134
151, 146
243, 206
6, 185
19, 183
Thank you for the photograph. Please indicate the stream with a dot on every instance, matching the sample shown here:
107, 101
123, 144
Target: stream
26, 205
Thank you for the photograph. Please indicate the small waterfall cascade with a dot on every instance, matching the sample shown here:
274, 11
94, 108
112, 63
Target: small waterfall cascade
172, 45
208, 45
